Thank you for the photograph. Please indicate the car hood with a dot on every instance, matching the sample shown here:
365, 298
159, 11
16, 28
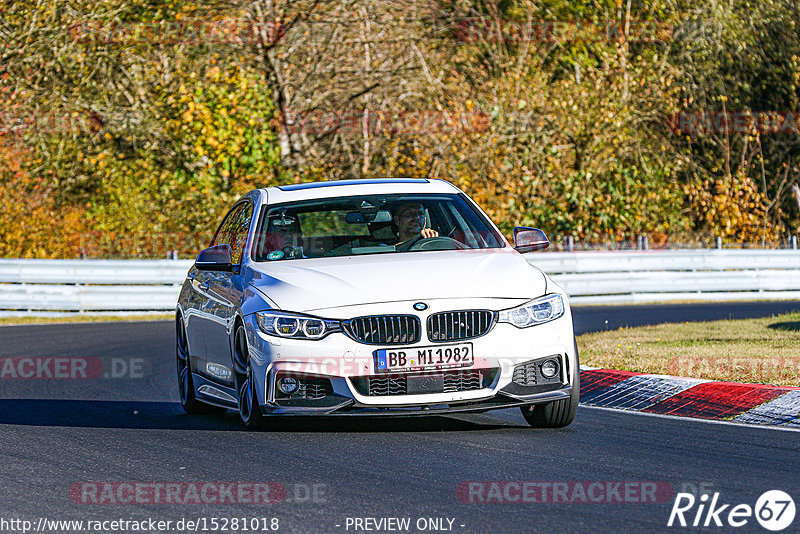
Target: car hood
313, 284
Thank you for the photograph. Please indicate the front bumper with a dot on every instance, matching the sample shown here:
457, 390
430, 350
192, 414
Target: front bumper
497, 402
340, 370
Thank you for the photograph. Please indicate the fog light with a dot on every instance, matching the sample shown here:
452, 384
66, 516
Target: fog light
287, 385
549, 368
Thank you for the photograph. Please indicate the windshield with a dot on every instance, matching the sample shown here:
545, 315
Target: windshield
371, 224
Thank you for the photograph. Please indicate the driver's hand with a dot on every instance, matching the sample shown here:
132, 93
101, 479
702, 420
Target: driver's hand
429, 232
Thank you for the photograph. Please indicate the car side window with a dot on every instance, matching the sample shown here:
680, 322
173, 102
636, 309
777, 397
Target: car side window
241, 227
234, 231
223, 234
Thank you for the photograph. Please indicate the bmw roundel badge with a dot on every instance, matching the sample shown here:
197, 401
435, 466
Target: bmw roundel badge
420, 306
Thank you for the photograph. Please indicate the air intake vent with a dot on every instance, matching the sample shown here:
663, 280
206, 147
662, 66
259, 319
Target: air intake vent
385, 329
459, 325
530, 373
426, 383
462, 381
308, 388
385, 385
525, 375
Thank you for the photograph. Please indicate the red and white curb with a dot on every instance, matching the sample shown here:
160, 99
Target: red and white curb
691, 397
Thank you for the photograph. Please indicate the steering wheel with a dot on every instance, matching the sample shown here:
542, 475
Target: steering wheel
436, 243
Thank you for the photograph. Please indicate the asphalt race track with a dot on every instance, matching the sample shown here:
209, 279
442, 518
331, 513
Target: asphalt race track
125, 425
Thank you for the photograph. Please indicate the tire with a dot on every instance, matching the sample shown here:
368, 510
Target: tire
249, 409
189, 401
556, 414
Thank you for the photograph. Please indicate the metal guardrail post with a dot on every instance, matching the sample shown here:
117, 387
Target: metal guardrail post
794, 242
719, 242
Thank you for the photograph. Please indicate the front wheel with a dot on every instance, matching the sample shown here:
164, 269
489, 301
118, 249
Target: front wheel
189, 401
249, 409
560, 413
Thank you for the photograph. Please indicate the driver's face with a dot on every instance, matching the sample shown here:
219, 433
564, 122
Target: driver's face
287, 232
411, 219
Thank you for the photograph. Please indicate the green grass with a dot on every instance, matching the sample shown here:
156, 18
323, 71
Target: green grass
763, 351
12, 321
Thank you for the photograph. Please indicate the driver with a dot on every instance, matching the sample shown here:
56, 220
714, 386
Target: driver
282, 240
410, 220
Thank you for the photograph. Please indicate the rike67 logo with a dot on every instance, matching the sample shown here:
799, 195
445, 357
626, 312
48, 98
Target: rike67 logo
774, 510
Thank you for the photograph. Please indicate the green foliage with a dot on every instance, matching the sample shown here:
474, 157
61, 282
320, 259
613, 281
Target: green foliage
114, 127
142, 140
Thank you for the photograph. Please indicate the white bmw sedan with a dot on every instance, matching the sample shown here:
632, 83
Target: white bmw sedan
372, 297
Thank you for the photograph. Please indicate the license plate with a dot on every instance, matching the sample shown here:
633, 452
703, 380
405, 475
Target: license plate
436, 357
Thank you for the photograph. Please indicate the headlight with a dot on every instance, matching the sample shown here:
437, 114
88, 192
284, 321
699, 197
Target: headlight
535, 312
296, 326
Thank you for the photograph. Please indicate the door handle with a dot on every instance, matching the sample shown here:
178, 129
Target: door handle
204, 286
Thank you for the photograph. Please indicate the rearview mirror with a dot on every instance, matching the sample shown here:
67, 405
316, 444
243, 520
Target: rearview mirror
529, 239
358, 217
217, 258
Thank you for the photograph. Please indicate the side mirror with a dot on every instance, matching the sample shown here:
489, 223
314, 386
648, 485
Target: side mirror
529, 239
216, 258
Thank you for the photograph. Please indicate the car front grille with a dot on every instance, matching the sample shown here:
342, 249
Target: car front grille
444, 382
385, 329
459, 325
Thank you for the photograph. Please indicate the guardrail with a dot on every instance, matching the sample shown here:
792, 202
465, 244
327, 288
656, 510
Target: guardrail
36, 286
628, 277
90, 285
